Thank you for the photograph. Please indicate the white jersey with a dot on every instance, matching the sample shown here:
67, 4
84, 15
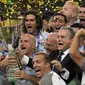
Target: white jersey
52, 78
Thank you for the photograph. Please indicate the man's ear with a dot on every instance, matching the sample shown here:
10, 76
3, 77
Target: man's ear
47, 64
44, 22
73, 14
33, 48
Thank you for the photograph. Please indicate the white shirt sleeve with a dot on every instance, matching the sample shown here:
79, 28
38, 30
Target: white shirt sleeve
25, 60
57, 80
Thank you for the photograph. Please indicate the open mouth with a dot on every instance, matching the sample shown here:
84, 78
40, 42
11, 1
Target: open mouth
37, 71
82, 19
23, 48
60, 44
29, 27
57, 28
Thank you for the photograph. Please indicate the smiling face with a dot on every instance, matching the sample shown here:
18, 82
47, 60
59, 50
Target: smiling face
63, 39
27, 44
58, 22
82, 13
30, 23
40, 65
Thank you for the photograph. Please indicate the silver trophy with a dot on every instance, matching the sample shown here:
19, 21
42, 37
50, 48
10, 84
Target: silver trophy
12, 69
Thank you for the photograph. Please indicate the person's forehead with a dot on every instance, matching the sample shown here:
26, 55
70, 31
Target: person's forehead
68, 5
63, 31
82, 9
58, 17
30, 16
38, 57
25, 37
52, 38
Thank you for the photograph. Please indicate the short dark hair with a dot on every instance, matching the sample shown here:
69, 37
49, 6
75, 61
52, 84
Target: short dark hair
38, 20
55, 14
47, 15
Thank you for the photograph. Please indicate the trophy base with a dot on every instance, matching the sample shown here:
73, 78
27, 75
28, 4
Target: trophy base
11, 79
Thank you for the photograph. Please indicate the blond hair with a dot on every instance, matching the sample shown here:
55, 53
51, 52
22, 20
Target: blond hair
74, 5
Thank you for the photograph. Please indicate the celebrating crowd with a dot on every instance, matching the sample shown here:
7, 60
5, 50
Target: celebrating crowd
50, 49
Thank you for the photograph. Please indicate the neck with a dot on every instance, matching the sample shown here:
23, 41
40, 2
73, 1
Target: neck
70, 22
44, 29
35, 33
30, 54
47, 70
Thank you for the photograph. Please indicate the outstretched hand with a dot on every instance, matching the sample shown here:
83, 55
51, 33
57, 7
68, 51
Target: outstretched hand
7, 62
21, 74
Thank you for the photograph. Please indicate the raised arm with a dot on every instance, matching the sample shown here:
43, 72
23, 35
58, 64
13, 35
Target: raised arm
74, 50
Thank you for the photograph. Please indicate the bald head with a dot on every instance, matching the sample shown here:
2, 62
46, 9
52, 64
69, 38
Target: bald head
51, 43
31, 37
52, 38
27, 44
